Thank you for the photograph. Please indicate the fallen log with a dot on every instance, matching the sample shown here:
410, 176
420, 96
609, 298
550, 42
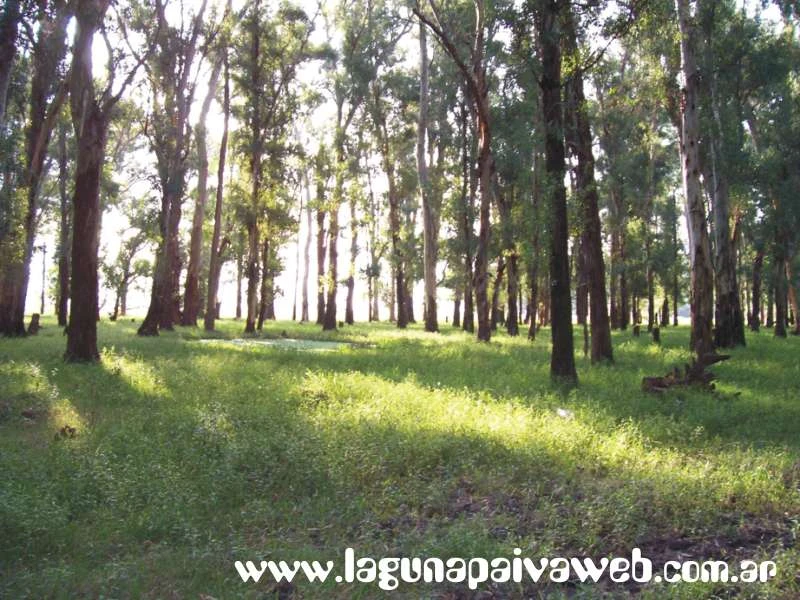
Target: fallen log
693, 374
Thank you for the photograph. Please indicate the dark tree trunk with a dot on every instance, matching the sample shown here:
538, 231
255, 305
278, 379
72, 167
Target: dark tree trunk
457, 307
65, 226
306, 255
429, 218
239, 277
90, 120
593, 265
755, 316
468, 188
265, 291
329, 322
351, 277
496, 314
320, 256
562, 363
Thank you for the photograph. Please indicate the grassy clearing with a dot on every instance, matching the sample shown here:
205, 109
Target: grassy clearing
188, 456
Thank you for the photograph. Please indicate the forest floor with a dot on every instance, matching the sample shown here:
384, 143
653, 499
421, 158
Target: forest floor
148, 475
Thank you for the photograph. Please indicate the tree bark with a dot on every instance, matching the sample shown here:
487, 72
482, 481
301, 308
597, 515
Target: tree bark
90, 119
215, 260
430, 241
320, 255
65, 226
351, 275
591, 236
306, 253
191, 296
755, 315
562, 362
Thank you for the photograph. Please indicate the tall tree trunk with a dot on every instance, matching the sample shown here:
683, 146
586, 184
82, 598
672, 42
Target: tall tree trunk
65, 226
90, 120
239, 277
306, 253
253, 259
191, 296
562, 362
468, 188
329, 322
591, 236
215, 261
265, 285
430, 241
699, 244
320, 255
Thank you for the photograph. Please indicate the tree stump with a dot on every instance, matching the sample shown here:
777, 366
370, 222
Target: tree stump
656, 335
34, 327
636, 331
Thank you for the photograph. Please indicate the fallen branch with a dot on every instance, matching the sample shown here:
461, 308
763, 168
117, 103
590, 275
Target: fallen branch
693, 374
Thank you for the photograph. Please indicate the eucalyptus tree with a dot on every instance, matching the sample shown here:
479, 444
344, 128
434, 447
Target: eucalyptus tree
456, 28
91, 115
271, 46
171, 75
370, 32
48, 90
579, 143
702, 300
548, 30
191, 298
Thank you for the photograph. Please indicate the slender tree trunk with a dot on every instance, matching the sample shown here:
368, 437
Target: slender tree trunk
253, 259
191, 296
351, 277
792, 293
239, 277
329, 322
431, 243
562, 363
215, 261
65, 226
591, 236
457, 307
264, 292
496, 315
306, 253
320, 255
700, 247
755, 316
468, 188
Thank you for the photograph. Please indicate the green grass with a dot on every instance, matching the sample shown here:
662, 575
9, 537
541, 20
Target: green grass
188, 456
